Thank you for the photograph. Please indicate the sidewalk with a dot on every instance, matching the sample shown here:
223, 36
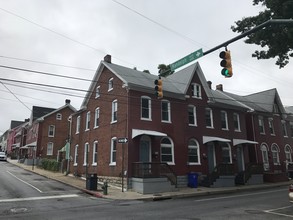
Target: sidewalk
116, 193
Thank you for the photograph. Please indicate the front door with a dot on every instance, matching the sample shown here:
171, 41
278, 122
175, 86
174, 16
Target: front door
211, 156
240, 158
145, 149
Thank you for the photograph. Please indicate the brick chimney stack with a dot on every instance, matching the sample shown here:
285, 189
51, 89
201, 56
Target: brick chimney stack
67, 101
219, 87
107, 58
209, 84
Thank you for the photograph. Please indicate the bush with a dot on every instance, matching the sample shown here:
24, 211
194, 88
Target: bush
50, 164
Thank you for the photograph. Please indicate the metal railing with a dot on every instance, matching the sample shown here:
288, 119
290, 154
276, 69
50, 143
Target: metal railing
153, 170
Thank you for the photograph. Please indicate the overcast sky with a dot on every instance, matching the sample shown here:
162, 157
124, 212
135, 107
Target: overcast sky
71, 37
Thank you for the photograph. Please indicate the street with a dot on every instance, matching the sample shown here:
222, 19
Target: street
25, 195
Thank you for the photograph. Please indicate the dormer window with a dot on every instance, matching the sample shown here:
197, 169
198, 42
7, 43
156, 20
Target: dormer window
196, 91
110, 84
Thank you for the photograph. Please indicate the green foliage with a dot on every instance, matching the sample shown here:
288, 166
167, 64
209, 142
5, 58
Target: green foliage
50, 164
164, 70
276, 40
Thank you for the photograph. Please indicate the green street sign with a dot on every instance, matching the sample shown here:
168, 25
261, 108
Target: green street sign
189, 58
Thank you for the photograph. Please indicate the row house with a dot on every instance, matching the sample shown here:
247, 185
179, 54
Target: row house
47, 132
127, 136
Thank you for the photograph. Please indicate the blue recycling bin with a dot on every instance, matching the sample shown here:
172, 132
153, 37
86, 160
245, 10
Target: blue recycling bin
192, 180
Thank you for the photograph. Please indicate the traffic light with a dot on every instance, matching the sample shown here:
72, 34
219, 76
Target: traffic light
226, 63
159, 88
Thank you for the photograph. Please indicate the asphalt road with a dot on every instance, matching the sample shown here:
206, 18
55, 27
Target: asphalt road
24, 195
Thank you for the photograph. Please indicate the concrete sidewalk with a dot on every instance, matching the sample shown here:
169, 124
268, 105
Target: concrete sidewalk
116, 192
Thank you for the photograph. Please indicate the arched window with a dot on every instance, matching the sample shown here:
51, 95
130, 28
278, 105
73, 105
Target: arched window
265, 157
288, 153
193, 152
275, 154
167, 151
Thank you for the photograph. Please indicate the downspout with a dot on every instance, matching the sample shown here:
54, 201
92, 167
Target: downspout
69, 144
253, 130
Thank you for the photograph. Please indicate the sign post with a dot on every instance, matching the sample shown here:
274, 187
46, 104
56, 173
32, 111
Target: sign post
122, 141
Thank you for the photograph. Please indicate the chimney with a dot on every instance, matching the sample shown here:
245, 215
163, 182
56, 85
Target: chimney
107, 58
209, 84
67, 101
219, 87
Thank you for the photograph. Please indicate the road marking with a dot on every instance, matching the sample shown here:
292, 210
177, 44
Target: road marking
272, 211
39, 198
25, 182
237, 196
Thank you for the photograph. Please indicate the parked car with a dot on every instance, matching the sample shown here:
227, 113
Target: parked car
291, 193
3, 156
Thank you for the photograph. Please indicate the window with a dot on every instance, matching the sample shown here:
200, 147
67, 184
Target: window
166, 111
291, 129
196, 90
236, 121
51, 132
97, 92
85, 154
167, 151
59, 116
224, 120
146, 113
77, 124
209, 118
95, 153
265, 157
87, 121
192, 115
284, 129
261, 125
193, 152
110, 84
75, 155
113, 151
50, 148
226, 153
97, 117
288, 153
114, 111
275, 154
271, 126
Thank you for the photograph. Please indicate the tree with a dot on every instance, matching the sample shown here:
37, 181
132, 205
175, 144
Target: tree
164, 70
276, 40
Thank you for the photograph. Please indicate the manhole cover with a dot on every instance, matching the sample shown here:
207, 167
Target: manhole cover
18, 210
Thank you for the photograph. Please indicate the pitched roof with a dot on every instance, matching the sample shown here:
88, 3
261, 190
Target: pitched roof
67, 105
174, 85
38, 112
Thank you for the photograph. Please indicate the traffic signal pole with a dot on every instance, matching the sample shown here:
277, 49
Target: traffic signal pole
253, 30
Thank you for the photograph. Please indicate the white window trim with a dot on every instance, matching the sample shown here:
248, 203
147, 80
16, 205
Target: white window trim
284, 126
271, 123
59, 116
112, 86
261, 119
95, 151
288, 150
85, 154
114, 139
75, 155
149, 107
97, 116
169, 111
112, 113
238, 122
77, 124
277, 151
87, 121
226, 120
198, 152
52, 144
194, 86
172, 150
97, 95
194, 115
53, 135
211, 117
